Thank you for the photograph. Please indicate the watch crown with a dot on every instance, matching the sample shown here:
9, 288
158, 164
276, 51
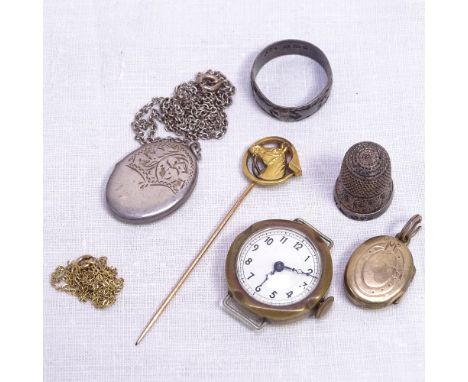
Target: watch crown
324, 306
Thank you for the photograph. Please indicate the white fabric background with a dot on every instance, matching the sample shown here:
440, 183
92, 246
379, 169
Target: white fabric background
105, 59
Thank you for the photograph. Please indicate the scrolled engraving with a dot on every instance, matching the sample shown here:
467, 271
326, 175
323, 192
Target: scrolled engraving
168, 165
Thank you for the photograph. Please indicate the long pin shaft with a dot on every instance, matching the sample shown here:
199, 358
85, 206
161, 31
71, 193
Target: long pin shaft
194, 263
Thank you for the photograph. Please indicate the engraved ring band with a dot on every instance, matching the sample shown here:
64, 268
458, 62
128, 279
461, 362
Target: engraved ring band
284, 48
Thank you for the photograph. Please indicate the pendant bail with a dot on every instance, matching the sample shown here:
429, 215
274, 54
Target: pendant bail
410, 229
196, 149
209, 81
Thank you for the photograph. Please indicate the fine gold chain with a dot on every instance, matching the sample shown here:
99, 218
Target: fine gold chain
89, 279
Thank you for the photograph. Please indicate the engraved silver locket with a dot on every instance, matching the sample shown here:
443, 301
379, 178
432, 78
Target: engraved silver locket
153, 181
157, 178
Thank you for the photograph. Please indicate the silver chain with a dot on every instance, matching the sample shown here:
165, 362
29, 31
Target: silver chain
195, 111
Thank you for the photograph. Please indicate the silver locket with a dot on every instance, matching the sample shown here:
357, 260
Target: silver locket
156, 179
153, 181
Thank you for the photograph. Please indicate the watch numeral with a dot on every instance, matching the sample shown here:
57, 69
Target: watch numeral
273, 294
258, 288
307, 258
289, 294
255, 247
251, 275
298, 246
310, 271
283, 240
269, 240
248, 261
305, 284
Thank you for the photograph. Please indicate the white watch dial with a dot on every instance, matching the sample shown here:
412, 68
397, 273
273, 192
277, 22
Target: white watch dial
278, 266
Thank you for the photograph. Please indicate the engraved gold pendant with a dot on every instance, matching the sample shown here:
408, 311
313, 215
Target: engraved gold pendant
153, 181
381, 269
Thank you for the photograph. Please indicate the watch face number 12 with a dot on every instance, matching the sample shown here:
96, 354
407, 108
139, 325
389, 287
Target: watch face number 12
278, 266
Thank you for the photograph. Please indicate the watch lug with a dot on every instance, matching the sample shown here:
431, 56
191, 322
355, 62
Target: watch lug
234, 309
324, 237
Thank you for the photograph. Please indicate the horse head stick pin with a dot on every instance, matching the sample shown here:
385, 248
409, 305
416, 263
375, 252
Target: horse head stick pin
268, 162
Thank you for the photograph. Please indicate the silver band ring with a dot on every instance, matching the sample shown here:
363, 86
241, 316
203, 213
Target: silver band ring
283, 48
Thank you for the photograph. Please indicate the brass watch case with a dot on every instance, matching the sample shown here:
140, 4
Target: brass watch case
300, 309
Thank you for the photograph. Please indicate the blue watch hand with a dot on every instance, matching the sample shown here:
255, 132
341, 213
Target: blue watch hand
300, 271
266, 278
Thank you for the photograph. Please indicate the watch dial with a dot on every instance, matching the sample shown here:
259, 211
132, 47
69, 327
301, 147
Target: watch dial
278, 266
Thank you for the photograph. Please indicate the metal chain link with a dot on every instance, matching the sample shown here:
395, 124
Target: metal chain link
89, 279
195, 111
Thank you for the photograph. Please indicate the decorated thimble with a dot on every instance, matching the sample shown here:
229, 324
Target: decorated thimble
364, 188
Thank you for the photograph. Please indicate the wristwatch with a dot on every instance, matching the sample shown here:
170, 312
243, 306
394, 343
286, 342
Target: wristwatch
278, 271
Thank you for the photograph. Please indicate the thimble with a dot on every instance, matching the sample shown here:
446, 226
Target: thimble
364, 188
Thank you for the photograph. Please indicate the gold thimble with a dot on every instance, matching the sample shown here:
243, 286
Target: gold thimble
364, 188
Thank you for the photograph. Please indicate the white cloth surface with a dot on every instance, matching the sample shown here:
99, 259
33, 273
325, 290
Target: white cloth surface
102, 61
